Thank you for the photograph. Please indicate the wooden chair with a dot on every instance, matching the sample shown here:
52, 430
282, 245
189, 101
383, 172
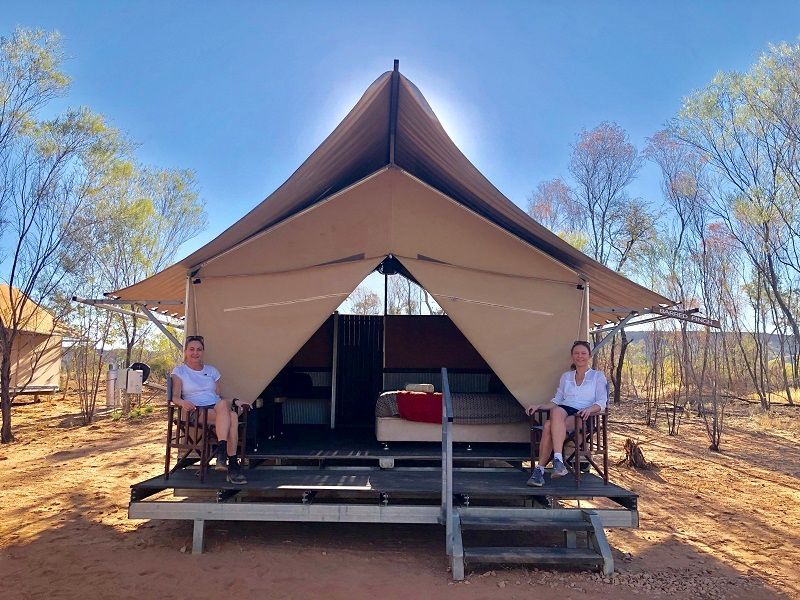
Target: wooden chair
589, 439
194, 438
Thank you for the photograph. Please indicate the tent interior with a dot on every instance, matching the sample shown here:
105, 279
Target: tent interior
329, 389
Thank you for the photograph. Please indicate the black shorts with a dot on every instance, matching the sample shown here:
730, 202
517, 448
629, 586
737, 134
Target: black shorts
571, 410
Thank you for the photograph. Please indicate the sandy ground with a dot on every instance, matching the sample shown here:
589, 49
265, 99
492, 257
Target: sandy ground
713, 525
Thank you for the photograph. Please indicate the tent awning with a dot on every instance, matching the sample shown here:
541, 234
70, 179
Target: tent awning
358, 148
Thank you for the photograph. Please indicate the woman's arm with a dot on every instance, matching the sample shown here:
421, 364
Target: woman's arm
552, 403
177, 390
600, 397
549, 405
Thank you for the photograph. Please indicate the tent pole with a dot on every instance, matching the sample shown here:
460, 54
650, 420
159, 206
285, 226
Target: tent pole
395, 92
385, 312
586, 311
334, 367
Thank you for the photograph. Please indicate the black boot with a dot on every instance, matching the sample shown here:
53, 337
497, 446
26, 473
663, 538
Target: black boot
221, 456
235, 471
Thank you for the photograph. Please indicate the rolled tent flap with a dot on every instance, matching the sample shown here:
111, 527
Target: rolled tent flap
523, 327
254, 324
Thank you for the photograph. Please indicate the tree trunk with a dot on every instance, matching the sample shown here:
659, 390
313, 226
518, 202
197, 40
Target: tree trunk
618, 369
5, 395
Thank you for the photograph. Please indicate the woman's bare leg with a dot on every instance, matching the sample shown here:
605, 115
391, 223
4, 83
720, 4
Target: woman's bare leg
545, 445
233, 433
222, 418
558, 428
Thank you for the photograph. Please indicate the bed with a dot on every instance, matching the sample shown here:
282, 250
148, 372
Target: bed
410, 416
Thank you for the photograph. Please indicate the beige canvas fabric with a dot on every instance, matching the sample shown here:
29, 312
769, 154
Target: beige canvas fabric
253, 325
36, 361
357, 148
503, 294
522, 327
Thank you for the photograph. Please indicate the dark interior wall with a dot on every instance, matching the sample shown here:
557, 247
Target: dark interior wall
317, 352
428, 342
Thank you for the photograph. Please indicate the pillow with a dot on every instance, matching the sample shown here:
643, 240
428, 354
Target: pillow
419, 387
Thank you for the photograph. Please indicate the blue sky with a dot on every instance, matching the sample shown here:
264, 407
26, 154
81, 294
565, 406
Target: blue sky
243, 92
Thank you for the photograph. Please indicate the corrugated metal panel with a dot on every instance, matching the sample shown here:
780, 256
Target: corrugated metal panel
306, 411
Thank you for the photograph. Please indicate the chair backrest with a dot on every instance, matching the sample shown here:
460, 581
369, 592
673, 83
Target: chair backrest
169, 389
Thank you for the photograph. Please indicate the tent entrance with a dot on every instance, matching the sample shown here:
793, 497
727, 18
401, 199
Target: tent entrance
346, 378
359, 367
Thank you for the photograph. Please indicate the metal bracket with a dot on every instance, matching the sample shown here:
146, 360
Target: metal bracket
614, 331
161, 326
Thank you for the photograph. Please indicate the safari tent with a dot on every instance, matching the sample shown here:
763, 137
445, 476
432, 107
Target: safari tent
389, 182
388, 190
36, 352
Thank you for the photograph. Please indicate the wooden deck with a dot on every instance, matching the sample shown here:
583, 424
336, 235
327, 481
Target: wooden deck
361, 445
422, 483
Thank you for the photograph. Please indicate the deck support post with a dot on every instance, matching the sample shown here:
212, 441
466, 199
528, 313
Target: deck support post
197, 536
570, 539
457, 556
598, 539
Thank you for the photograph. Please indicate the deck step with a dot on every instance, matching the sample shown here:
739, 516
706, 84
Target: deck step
522, 523
520, 555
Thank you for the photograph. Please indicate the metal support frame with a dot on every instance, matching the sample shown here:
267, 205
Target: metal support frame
295, 512
198, 536
614, 331
600, 542
447, 461
110, 305
334, 367
161, 326
660, 313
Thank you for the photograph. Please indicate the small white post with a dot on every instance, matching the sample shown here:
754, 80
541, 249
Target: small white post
111, 385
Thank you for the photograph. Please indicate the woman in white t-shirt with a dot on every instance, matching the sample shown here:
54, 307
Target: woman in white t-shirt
581, 392
195, 384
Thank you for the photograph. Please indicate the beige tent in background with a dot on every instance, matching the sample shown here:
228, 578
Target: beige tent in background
36, 352
388, 182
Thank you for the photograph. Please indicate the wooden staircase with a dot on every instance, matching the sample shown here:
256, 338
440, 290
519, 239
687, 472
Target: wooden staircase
596, 553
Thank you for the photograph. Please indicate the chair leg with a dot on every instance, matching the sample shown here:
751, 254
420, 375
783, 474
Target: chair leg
170, 415
203, 445
604, 421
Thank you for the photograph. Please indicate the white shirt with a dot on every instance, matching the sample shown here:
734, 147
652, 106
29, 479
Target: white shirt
198, 387
593, 390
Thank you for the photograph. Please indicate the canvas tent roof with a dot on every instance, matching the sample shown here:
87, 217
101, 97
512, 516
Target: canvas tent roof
30, 317
392, 125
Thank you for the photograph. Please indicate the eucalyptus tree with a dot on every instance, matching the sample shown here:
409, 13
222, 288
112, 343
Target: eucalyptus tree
744, 126
51, 171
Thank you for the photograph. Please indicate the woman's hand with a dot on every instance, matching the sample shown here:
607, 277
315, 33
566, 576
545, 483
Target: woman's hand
187, 405
545, 406
585, 413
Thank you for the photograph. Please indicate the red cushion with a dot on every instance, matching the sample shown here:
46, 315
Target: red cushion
425, 407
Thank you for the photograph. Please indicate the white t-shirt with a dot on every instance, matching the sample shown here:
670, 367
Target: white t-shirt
198, 387
593, 390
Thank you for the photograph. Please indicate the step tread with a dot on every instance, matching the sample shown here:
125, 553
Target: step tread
522, 523
515, 554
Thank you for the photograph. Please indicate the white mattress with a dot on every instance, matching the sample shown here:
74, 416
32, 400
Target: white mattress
395, 429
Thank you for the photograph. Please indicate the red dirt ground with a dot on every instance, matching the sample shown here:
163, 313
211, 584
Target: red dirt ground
713, 525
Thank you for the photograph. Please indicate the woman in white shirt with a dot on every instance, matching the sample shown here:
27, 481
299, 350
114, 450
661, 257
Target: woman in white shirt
581, 392
195, 384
